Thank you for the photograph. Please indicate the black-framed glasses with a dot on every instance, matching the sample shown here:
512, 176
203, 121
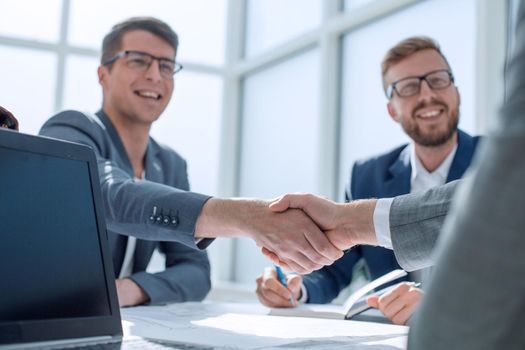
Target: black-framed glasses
141, 61
406, 87
7, 119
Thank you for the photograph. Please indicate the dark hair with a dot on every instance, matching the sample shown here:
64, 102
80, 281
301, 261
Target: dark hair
7, 119
406, 48
113, 40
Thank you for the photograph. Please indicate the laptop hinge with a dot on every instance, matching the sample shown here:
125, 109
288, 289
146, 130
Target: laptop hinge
66, 342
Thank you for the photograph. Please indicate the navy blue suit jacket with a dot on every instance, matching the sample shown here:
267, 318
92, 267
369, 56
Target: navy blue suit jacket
384, 176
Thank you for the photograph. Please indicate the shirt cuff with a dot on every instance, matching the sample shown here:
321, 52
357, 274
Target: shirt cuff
382, 222
304, 295
203, 243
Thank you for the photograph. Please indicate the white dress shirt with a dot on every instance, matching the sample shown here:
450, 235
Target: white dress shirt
127, 264
421, 180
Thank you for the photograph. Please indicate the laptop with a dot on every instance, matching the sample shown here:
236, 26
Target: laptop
57, 286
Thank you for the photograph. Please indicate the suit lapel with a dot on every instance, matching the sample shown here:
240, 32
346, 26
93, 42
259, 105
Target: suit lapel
399, 172
463, 156
143, 249
117, 142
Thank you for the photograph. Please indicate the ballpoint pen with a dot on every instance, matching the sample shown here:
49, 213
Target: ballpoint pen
282, 279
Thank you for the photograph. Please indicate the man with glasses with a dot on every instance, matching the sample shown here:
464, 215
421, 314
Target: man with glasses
145, 184
422, 97
136, 74
471, 229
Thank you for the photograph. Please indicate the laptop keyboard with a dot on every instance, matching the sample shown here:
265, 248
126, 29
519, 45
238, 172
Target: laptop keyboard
133, 344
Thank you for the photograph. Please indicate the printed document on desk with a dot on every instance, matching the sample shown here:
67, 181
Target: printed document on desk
352, 306
248, 326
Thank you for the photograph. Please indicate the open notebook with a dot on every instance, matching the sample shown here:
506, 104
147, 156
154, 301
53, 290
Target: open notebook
355, 303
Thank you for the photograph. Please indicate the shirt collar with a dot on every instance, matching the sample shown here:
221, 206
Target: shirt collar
419, 170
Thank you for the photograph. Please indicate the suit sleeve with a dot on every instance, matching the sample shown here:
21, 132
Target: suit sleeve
187, 273
415, 224
476, 297
186, 277
129, 206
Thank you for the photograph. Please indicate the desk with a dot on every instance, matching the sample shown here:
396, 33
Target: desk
248, 326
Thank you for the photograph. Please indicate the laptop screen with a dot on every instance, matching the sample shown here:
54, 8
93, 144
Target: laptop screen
50, 248
53, 255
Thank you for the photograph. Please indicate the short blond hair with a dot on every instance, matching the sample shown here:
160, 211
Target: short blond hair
406, 48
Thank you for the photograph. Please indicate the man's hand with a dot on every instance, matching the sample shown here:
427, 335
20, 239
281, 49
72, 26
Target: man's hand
273, 294
290, 235
345, 225
398, 304
323, 211
129, 293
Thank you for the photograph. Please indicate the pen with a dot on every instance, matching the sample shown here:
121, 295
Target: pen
282, 278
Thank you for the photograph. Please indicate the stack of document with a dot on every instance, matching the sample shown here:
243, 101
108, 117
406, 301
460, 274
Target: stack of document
249, 327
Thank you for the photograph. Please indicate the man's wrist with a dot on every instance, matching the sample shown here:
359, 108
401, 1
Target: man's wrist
130, 293
229, 217
214, 219
356, 219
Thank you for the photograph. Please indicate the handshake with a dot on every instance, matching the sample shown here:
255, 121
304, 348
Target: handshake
332, 228
300, 232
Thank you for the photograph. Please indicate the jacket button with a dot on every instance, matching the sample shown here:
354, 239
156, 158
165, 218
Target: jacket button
174, 221
166, 220
158, 219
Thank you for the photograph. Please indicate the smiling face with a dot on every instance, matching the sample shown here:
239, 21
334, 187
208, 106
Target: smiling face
132, 95
431, 117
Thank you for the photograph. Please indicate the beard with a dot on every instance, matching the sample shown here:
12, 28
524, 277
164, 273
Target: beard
436, 136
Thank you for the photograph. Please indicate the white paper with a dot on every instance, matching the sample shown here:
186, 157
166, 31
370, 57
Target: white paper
248, 326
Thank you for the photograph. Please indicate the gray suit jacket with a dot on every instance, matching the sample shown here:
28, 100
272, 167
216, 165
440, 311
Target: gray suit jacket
187, 273
144, 209
476, 299
415, 223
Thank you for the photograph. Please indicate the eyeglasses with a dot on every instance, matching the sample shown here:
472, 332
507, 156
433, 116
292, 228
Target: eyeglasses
7, 120
437, 80
141, 61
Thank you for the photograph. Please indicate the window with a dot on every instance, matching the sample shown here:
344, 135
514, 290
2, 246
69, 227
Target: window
275, 96
271, 23
82, 90
28, 85
191, 125
41, 23
279, 140
200, 24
